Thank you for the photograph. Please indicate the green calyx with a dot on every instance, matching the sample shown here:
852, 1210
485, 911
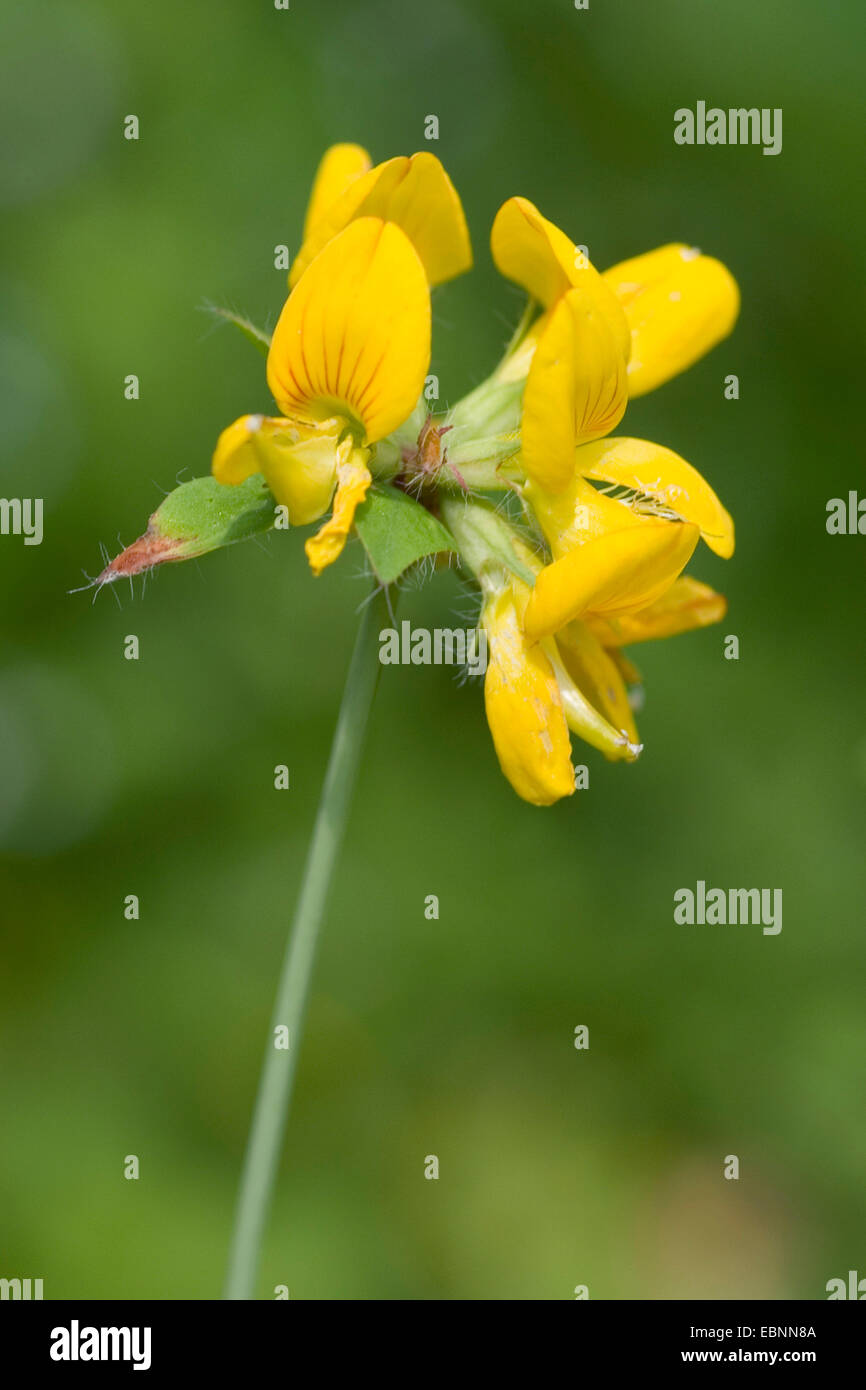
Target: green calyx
488, 542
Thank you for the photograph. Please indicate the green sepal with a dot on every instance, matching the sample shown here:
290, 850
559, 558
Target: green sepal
397, 531
488, 541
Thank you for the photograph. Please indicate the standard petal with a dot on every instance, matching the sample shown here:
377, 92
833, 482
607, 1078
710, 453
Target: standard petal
353, 480
533, 251
688, 604
348, 206
613, 573
679, 304
662, 475
524, 708
339, 168
416, 194
427, 207
353, 339
576, 390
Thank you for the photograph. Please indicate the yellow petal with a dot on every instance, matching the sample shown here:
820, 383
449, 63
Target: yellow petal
353, 480
577, 514
340, 166
299, 465
597, 676
679, 304
687, 605
345, 209
524, 707
613, 573
353, 339
661, 474
584, 719
301, 475
235, 457
534, 252
576, 390
416, 194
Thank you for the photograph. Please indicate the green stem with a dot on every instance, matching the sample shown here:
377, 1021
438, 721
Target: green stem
278, 1072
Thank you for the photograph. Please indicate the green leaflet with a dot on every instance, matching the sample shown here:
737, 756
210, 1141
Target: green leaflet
396, 531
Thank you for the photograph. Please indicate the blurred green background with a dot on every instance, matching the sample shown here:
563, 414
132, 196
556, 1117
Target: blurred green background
451, 1037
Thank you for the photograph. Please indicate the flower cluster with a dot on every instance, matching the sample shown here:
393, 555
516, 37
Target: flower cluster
577, 540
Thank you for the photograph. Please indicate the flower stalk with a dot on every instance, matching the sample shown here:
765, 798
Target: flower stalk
280, 1064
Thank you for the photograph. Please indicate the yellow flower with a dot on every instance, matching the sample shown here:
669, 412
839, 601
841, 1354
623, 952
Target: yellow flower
620, 517
353, 339
346, 366
353, 480
616, 572
679, 304
575, 392
595, 694
540, 686
350, 352
339, 167
616, 560
687, 604
600, 339
533, 251
673, 487
414, 192
615, 578
666, 308
523, 704
296, 460
618, 556
535, 693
